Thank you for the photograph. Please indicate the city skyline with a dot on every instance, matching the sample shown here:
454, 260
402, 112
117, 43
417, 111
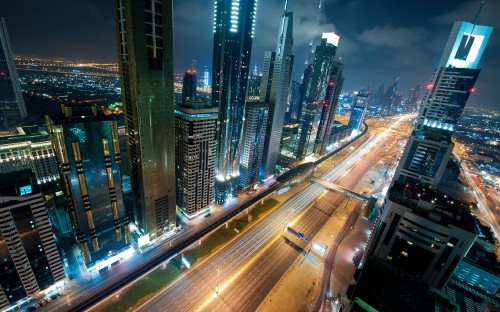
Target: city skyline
377, 48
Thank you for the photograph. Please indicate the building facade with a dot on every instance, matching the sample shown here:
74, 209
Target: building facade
195, 156
12, 107
254, 133
144, 34
358, 111
428, 149
274, 91
30, 258
29, 148
234, 28
88, 154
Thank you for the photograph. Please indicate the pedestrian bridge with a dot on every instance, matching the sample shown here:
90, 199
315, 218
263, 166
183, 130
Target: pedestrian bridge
335, 187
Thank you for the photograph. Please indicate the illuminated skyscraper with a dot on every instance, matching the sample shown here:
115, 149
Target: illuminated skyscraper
234, 26
333, 90
254, 133
430, 146
189, 85
274, 92
88, 153
145, 55
195, 155
358, 111
12, 106
314, 99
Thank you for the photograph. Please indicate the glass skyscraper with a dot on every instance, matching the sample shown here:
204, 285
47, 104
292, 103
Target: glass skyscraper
12, 106
189, 85
145, 55
429, 147
88, 152
234, 27
314, 98
274, 91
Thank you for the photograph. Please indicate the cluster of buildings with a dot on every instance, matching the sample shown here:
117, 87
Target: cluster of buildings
425, 239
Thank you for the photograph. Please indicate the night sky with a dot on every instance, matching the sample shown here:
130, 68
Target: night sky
380, 40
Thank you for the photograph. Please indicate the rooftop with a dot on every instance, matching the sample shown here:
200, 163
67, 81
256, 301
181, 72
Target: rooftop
29, 133
431, 204
485, 260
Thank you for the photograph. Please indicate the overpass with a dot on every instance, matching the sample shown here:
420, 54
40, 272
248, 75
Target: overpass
335, 187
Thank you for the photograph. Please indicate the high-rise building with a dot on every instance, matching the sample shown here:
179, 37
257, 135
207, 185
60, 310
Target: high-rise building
274, 92
189, 86
390, 98
234, 27
429, 147
314, 99
293, 102
12, 107
413, 95
254, 133
333, 90
30, 259
303, 88
254, 83
358, 111
145, 55
195, 156
88, 152
29, 148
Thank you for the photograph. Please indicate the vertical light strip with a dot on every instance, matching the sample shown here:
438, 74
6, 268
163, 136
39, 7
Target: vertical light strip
215, 15
254, 17
235, 14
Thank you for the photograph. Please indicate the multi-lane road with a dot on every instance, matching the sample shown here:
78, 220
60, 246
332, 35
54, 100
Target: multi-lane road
239, 276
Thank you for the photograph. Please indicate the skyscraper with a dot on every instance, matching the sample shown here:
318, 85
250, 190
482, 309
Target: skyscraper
195, 155
358, 111
293, 102
333, 90
88, 153
254, 83
30, 259
189, 85
145, 55
274, 92
430, 146
254, 133
390, 98
234, 27
314, 99
12, 106
303, 89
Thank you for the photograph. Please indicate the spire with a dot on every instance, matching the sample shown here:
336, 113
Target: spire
475, 21
286, 5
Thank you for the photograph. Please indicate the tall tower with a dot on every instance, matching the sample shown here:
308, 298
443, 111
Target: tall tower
274, 91
145, 55
195, 155
328, 115
430, 146
189, 85
254, 133
234, 27
314, 98
12, 106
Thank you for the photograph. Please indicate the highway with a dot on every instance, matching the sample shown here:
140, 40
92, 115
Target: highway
227, 281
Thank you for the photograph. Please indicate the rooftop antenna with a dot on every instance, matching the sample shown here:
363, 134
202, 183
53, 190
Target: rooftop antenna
475, 20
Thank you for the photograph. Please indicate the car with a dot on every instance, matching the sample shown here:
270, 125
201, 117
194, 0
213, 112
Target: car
44, 302
208, 215
37, 305
53, 296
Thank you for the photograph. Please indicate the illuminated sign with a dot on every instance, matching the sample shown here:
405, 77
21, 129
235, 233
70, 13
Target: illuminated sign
469, 42
25, 190
331, 38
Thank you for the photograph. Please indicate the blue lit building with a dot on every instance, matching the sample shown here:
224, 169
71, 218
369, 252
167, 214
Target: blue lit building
234, 27
430, 146
358, 112
254, 133
88, 153
274, 90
